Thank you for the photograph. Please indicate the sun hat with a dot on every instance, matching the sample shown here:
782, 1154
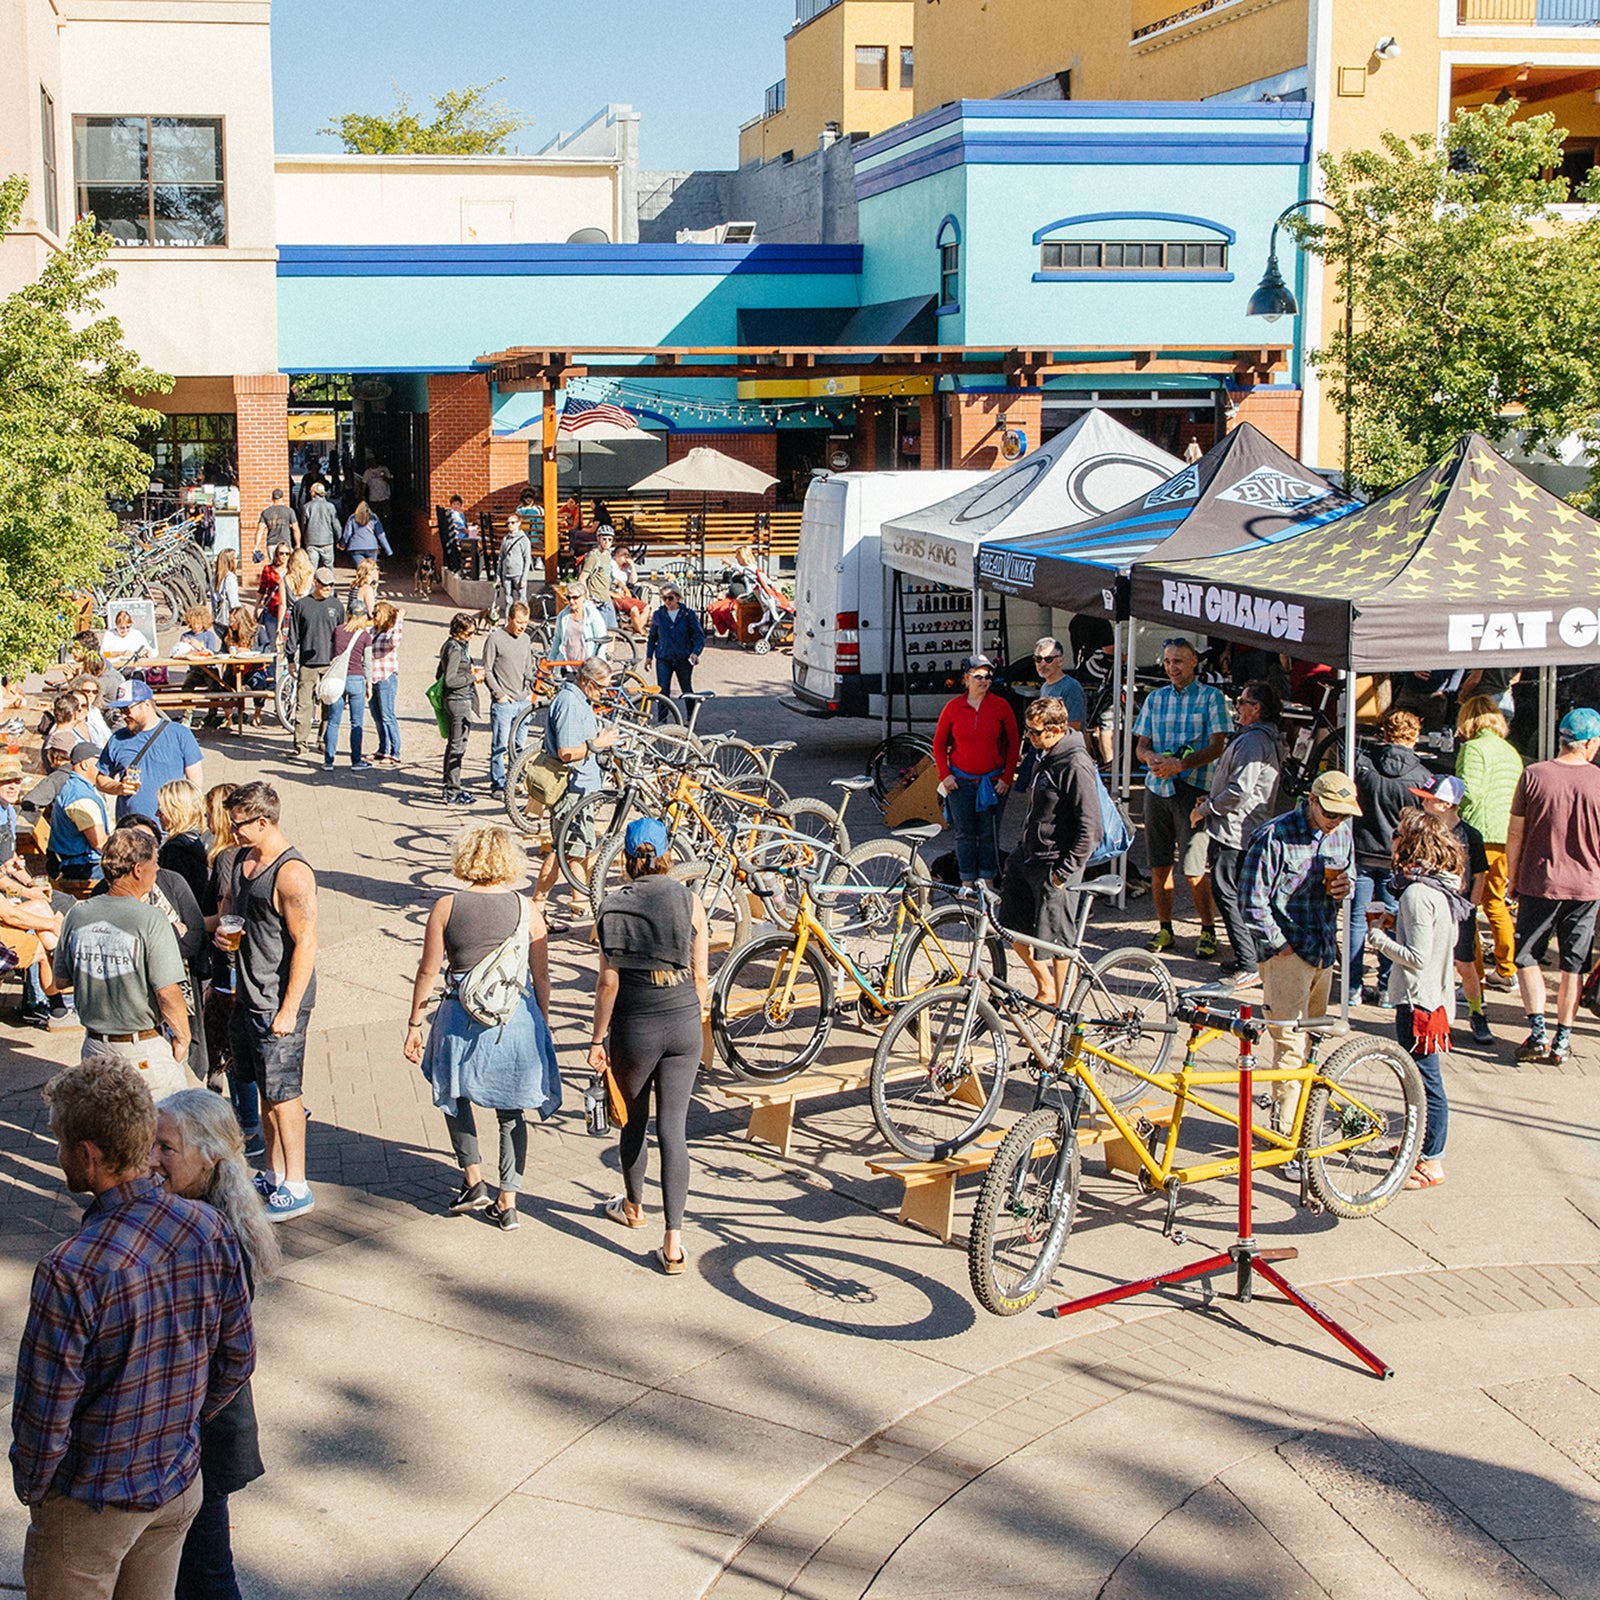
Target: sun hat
1336, 794
1581, 723
132, 693
1452, 791
10, 769
645, 831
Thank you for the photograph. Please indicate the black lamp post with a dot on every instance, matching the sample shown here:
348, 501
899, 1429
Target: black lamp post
1274, 298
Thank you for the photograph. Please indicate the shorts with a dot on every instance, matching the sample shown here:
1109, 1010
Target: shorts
1467, 947
1572, 923
1030, 903
276, 1064
580, 839
25, 944
1169, 836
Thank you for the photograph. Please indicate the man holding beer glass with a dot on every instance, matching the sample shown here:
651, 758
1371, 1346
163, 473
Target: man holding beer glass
1295, 872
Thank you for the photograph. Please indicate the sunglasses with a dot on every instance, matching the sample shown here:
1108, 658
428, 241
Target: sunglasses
1055, 657
983, 675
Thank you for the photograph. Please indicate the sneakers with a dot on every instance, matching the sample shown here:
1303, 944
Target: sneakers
471, 1197
63, 1021
1161, 940
264, 1185
1205, 947
1498, 980
282, 1205
1482, 1033
1534, 1048
505, 1218
1560, 1049
33, 1016
254, 1144
361, 766
1293, 1171
462, 797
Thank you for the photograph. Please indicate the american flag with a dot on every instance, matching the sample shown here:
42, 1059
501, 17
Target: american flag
576, 415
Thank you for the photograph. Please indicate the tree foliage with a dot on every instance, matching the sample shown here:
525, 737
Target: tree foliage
68, 437
1477, 307
465, 123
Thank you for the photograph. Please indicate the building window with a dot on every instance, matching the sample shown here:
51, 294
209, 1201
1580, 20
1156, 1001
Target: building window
907, 67
949, 273
1129, 256
152, 180
872, 66
47, 144
188, 450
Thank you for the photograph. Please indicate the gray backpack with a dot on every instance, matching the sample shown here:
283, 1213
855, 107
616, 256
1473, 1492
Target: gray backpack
494, 988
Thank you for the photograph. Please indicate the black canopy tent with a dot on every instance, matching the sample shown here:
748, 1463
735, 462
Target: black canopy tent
1470, 563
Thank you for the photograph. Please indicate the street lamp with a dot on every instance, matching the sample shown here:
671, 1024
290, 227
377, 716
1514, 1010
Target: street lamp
1274, 298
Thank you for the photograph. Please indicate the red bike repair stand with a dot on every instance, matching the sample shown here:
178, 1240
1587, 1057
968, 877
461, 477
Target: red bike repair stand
1245, 1255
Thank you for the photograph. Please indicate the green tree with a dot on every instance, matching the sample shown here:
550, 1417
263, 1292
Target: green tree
1477, 306
68, 437
465, 123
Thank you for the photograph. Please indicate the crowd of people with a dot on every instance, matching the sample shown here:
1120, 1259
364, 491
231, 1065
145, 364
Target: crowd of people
178, 929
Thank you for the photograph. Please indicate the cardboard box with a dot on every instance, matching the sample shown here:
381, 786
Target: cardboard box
917, 799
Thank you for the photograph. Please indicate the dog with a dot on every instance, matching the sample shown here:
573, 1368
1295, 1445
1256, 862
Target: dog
425, 576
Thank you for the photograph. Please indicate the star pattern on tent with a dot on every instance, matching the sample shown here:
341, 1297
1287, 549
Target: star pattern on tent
1467, 546
1512, 536
1518, 513
1477, 489
1507, 563
1473, 519
1524, 490
1485, 462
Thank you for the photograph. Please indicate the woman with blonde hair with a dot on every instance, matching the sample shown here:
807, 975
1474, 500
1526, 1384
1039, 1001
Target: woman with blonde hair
363, 534
180, 810
507, 1068
297, 578
1489, 767
225, 587
383, 675
199, 1154
363, 597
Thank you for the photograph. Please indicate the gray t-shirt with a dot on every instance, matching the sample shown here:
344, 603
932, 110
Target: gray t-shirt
508, 664
115, 952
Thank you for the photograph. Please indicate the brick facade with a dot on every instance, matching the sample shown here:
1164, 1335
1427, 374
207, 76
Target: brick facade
261, 408
759, 450
1275, 411
975, 426
458, 444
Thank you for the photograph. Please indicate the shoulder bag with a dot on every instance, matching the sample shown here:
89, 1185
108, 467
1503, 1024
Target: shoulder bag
337, 677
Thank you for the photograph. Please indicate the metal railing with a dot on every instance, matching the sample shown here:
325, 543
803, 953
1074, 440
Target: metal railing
1529, 13
1200, 8
777, 98
805, 10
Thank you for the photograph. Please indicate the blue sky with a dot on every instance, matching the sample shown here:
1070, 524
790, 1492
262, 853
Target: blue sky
693, 69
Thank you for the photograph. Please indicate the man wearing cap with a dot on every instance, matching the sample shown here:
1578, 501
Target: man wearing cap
1295, 872
1442, 798
319, 526
1553, 864
313, 620
675, 641
79, 825
1182, 728
147, 751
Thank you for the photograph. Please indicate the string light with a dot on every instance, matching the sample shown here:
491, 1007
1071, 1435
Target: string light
676, 409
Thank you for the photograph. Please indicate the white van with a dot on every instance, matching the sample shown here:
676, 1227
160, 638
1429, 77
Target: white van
840, 624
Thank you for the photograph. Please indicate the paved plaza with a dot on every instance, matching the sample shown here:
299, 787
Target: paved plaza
818, 1408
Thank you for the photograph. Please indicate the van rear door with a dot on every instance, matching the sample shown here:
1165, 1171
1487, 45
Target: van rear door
818, 586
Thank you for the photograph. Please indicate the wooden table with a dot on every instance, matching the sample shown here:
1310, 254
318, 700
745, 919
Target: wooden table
226, 672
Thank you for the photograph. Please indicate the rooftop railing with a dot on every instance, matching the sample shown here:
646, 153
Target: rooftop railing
1199, 9
777, 98
805, 10
1529, 13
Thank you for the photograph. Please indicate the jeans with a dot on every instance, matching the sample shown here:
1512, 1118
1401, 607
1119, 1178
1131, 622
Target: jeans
1225, 861
205, 1570
514, 591
384, 694
502, 713
1431, 1068
458, 718
977, 832
680, 666
355, 696
463, 1126
1366, 885
609, 612
307, 707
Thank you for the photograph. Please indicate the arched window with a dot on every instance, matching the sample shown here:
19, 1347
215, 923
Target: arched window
948, 241
1134, 245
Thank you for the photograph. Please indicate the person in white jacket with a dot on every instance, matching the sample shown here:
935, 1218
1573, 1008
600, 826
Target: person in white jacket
1429, 863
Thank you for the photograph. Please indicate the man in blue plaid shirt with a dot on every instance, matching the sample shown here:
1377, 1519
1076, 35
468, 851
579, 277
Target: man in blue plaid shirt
1294, 874
1182, 729
138, 1326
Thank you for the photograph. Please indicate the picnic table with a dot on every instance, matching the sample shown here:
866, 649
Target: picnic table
225, 689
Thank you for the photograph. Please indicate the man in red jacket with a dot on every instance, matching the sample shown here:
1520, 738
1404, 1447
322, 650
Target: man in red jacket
975, 747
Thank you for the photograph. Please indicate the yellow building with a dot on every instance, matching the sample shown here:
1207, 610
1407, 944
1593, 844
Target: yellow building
1367, 66
847, 69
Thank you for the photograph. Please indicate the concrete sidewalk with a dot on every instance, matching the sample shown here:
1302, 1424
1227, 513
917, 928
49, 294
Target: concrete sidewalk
818, 1407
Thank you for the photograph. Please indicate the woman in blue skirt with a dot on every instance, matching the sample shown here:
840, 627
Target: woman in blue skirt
510, 1069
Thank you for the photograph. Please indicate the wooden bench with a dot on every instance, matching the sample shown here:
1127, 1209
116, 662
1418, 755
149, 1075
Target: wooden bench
929, 1200
772, 1105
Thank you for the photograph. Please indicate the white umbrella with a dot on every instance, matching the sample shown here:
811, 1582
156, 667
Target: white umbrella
710, 472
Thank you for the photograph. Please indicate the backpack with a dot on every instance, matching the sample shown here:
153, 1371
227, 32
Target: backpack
494, 988
1116, 836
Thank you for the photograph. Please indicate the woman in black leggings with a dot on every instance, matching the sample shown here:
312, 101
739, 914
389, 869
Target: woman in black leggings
651, 995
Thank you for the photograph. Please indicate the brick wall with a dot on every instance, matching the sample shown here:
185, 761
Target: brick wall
1275, 411
458, 444
975, 427
928, 438
759, 450
261, 407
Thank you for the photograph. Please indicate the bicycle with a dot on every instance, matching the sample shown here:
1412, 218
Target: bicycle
773, 1004
939, 1073
1356, 1130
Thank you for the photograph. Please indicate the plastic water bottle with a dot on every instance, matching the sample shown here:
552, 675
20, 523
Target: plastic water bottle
594, 1107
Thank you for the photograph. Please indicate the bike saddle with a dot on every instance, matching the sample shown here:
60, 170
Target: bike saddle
852, 785
1325, 1027
781, 748
700, 694
919, 832
1110, 888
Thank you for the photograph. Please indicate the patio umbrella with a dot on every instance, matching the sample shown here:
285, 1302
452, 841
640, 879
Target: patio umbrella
710, 472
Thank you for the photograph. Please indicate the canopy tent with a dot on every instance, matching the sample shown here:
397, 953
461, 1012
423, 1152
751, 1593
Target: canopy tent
1088, 469
1242, 493
1470, 563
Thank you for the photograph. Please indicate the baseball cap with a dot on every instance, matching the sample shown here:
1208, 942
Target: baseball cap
1452, 791
982, 663
66, 738
645, 831
1581, 723
83, 750
1336, 794
10, 769
325, 575
132, 693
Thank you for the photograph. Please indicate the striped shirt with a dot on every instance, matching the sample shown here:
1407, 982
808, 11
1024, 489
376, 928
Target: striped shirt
138, 1327
1175, 719
383, 653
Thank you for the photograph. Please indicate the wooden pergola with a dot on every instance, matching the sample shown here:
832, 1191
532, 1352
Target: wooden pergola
543, 369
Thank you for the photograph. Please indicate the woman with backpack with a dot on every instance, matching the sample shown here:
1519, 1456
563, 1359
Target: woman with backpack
489, 1045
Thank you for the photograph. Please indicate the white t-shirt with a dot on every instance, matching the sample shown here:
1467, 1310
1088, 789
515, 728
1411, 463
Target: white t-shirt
377, 482
116, 646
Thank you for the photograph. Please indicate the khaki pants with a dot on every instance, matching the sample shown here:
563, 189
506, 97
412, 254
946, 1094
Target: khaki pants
74, 1552
162, 1072
1291, 988
308, 709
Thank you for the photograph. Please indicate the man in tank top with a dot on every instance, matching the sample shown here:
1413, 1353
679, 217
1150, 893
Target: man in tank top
274, 891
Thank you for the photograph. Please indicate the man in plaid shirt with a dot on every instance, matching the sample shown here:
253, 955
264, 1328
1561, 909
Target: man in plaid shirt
1182, 729
1295, 872
138, 1326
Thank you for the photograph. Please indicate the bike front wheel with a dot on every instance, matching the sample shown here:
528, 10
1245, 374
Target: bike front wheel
1024, 1213
1368, 1090
939, 1073
771, 1014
